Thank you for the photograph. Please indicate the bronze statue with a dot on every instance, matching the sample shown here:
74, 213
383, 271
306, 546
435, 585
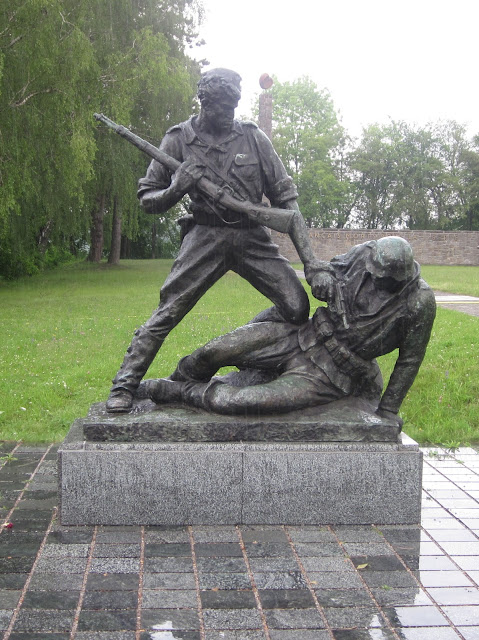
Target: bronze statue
240, 159
377, 302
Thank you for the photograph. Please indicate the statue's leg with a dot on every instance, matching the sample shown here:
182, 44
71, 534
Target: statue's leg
264, 345
258, 260
200, 263
285, 394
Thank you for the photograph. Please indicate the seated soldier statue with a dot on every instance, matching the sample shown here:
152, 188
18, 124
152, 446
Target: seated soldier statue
377, 302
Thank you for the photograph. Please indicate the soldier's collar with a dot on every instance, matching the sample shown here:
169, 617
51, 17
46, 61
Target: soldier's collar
191, 135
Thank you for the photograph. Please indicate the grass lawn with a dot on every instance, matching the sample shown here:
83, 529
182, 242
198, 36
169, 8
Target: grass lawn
65, 332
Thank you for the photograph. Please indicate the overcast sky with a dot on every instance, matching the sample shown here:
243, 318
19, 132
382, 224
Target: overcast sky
414, 60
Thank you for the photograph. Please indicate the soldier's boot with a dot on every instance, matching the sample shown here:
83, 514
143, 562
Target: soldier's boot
165, 391
139, 355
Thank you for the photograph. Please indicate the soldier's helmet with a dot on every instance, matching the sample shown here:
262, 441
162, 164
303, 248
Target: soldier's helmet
391, 257
220, 84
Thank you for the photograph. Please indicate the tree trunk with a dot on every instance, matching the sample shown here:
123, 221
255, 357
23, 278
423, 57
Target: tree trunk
114, 257
96, 230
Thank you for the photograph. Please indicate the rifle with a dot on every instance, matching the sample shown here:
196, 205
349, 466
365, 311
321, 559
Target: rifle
277, 219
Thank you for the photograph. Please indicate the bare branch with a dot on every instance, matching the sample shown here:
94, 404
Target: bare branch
32, 95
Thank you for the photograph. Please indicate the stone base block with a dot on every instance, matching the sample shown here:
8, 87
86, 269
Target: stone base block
177, 483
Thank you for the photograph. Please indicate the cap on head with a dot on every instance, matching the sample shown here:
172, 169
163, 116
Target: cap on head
391, 257
220, 84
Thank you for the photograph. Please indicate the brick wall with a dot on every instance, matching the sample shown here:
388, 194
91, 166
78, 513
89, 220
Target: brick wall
429, 247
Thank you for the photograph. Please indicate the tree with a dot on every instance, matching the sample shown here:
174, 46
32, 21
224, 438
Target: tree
61, 60
309, 139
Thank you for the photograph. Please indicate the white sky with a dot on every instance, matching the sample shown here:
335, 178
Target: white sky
414, 60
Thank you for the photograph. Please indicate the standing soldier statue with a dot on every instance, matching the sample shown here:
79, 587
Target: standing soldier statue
239, 160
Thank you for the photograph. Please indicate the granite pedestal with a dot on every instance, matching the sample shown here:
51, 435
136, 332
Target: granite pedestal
325, 479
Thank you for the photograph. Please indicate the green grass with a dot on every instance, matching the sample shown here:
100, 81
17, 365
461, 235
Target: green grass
64, 333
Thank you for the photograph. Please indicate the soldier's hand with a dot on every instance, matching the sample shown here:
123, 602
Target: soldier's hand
322, 286
187, 175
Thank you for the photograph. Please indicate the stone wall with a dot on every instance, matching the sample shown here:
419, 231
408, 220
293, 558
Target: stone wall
429, 247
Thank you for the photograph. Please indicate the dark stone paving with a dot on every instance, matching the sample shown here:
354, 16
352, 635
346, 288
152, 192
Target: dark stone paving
238, 583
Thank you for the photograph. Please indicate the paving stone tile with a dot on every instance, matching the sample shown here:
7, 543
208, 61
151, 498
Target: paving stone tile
430, 524
224, 581
169, 599
429, 563
354, 617
286, 599
61, 565
368, 549
118, 537
232, 634
9, 598
16, 564
80, 536
310, 549
455, 595
215, 534
223, 619
5, 617
268, 565
222, 565
167, 535
343, 597
469, 633
65, 551
43, 620
389, 579
454, 535
110, 600
289, 580
166, 635
218, 549
461, 548
319, 563
294, 619
176, 565
112, 582
168, 581
311, 534
397, 596
115, 565
427, 633
260, 535
56, 582
107, 620
39, 636
359, 534
51, 600
20, 549
296, 634
444, 579
464, 616
361, 634
170, 619
116, 551
427, 616
378, 563
105, 635
227, 599
13, 580
167, 550
335, 580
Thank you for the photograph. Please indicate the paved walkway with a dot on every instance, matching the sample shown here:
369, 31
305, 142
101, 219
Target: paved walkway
242, 583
